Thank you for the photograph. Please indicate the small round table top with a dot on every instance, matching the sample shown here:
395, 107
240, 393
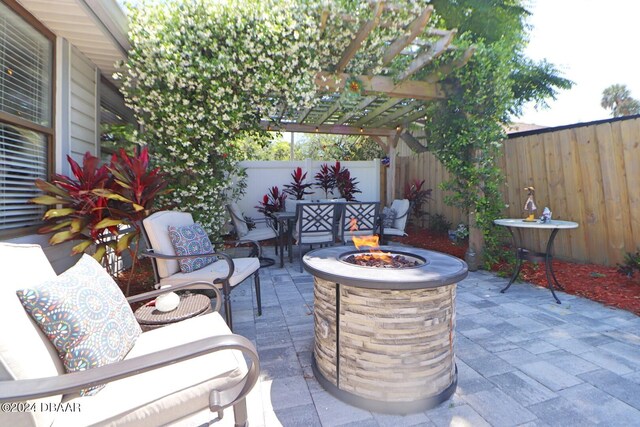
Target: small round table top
521, 223
191, 305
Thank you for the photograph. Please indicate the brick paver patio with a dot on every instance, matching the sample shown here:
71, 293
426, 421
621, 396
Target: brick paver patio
522, 359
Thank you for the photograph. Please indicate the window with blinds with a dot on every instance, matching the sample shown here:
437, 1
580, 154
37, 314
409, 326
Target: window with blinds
26, 63
24, 158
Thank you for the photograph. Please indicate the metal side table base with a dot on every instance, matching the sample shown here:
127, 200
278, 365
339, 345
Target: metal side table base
524, 254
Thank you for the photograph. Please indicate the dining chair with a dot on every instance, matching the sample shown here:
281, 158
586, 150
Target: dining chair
394, 219
264, 227
315, 224
358, 219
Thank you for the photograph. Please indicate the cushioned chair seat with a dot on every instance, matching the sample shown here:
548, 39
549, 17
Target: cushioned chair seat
245, 267
167, 394
394, 232
310, 239
259, 234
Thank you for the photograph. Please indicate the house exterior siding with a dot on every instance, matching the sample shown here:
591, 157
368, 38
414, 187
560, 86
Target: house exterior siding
83, 117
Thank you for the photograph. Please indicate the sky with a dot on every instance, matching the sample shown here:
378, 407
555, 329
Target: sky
593, 43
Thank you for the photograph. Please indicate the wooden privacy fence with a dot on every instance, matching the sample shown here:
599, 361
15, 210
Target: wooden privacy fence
588, 173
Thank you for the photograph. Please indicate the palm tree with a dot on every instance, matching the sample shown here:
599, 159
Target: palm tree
618, 99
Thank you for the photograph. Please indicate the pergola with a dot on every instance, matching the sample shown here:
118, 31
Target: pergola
381, 105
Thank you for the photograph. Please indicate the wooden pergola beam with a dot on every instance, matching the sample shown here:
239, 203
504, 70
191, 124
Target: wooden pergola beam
379, 110
412, 142
396, 116
357, 41
415, 28
415, 116
393, 140
378, 140
303, 115
376, 85
361, 106
324, 16
329, 129
332, 109
425, 58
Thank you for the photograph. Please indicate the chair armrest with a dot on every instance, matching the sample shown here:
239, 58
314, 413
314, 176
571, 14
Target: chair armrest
404, 214
232, 268
22, 390
171, 288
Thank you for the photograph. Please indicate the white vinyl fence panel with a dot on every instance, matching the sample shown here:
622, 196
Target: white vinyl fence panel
262, 175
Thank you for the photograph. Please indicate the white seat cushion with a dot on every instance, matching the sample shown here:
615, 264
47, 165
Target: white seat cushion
157, 228
163, 395
244, 267
401, 206
260, 233
25, 352
394, 232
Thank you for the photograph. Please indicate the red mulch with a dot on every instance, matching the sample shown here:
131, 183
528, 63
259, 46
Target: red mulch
596, 282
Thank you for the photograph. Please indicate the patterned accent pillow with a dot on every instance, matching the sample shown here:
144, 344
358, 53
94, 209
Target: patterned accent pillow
389, 217
191, 240
85, 316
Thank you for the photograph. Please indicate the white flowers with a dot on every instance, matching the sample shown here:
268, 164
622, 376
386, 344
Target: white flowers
199, 70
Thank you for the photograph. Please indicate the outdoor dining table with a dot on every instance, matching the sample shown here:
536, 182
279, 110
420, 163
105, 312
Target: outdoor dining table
523, 254
285, 221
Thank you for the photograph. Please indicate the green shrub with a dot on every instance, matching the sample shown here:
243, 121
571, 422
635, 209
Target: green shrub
438, 223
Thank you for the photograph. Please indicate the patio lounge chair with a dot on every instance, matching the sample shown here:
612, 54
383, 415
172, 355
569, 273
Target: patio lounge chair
225, 273
170, 375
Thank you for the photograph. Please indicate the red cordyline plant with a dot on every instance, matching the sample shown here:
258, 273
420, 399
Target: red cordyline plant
271, 202
346, 185
82, 216
343, 181
298, 188
417, 196
325, 180
98, 201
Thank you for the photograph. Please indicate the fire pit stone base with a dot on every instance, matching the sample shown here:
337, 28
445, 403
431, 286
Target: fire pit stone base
385, 345
395, 346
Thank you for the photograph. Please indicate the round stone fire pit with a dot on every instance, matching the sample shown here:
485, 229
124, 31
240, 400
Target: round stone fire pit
384, 336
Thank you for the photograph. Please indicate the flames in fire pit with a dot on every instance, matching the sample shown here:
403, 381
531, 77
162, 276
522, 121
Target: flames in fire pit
374, 257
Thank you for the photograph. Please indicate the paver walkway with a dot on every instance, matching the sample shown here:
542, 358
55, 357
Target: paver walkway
522, 359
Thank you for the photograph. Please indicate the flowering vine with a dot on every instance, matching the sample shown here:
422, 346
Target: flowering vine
202, 74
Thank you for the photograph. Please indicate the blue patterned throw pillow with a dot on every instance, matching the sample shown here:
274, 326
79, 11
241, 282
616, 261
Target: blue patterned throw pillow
191, 240
85, 316
389, 217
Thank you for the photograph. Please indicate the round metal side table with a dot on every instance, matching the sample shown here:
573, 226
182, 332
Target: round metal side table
191, 305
